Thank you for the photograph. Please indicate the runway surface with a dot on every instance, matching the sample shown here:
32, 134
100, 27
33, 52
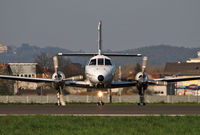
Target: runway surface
93, 110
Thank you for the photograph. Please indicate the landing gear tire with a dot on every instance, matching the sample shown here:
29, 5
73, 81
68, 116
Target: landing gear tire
141, 104
100, 103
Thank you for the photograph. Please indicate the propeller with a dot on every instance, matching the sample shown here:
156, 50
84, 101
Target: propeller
142, 81
58, 84
60, 81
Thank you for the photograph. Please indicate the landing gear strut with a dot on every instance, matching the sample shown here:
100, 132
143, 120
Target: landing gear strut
60, 99
142, 99
142, 103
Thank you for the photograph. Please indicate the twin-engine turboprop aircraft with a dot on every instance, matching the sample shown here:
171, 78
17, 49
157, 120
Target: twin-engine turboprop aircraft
99, 74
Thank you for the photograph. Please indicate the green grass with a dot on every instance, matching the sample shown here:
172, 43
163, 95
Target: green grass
80, 125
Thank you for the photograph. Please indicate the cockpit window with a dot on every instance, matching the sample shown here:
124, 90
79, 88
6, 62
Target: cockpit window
93, 62
100, 61
107, 62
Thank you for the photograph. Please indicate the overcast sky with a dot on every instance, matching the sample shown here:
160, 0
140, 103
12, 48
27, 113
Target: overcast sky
127, 24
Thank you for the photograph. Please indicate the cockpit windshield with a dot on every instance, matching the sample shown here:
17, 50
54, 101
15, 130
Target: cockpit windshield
93, 62
107, 62
100, 61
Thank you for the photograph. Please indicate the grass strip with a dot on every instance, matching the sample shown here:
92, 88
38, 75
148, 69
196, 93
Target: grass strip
80, 125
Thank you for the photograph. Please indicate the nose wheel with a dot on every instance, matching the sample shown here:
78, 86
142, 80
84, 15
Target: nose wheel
100, 103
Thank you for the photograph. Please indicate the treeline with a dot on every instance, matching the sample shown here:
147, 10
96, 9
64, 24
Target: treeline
45, 65
158, 55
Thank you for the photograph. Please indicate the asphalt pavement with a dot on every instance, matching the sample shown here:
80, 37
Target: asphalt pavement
106, 110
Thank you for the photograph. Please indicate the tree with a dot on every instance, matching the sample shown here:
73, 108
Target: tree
137, 68
5, 85
45, 64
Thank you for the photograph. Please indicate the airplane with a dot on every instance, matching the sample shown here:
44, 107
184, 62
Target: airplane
99, 74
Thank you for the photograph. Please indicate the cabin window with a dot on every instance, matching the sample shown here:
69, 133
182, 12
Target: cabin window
107, 62
93, 62
100, 61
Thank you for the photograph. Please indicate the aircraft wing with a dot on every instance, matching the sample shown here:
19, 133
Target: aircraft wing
84, 84
17, 78
177, 79
123, 84
81, 84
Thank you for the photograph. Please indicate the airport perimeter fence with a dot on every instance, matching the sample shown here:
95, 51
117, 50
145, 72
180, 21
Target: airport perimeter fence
94, 99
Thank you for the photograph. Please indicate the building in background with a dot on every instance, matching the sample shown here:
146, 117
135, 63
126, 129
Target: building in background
182, 70
23, 70
3, 48
194, 60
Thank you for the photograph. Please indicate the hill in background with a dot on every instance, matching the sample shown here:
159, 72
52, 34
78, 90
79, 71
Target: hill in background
157, 55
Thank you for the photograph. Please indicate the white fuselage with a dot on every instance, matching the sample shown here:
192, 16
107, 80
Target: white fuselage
100, 71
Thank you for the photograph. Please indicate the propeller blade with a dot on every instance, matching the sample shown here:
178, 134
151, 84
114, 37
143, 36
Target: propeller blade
144, 64
74, 78
55, 62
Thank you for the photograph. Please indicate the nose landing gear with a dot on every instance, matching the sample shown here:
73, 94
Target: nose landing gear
100, 102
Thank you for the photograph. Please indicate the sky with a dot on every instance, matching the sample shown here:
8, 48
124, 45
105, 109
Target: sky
127, 24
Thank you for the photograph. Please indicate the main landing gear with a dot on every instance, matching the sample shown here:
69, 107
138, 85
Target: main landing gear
141, 103
141, 94
60, 99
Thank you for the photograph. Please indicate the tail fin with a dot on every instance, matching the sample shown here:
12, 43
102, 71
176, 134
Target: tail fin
99, 38
100, 49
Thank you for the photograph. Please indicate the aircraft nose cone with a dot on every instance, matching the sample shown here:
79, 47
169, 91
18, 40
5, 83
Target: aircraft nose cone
100, 78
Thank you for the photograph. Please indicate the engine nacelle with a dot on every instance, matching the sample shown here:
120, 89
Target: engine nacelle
140, 76
142, 82
61, 75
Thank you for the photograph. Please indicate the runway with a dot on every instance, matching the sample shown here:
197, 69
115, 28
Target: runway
93, 110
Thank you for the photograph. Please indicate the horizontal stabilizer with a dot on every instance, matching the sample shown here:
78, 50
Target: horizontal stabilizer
122, 55
77, 54
106, 54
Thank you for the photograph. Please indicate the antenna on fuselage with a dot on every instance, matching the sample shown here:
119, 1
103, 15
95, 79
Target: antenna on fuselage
99, 38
